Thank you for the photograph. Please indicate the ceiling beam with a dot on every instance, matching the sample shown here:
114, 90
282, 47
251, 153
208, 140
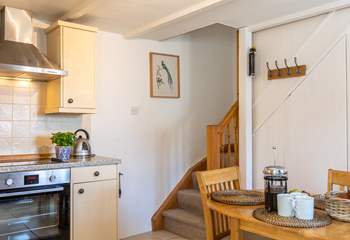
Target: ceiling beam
175, 17
82, 9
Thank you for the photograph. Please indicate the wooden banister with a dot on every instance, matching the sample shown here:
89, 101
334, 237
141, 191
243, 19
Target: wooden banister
221, 138
232, 113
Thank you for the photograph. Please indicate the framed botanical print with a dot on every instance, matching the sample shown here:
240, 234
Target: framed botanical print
164, 75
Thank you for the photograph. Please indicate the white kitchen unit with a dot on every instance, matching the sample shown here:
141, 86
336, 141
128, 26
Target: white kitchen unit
72, 46
94, 203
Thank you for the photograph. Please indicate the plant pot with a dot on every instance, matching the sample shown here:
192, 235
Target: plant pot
63, 152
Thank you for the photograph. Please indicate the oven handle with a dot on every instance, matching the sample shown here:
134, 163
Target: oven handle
31, 192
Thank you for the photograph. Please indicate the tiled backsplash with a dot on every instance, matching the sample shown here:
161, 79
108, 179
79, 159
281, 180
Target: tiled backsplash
24, 128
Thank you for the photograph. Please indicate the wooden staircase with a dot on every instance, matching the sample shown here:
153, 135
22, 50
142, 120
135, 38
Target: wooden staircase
222, 141
181, 212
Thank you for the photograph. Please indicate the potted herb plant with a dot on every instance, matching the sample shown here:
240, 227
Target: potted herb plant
64, 142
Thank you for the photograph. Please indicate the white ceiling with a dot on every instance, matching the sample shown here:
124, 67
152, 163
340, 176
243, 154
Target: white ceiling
161, 19
46, 9
109, 15
236, 14
125, 15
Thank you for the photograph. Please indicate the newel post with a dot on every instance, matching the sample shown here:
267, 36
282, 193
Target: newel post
213, 147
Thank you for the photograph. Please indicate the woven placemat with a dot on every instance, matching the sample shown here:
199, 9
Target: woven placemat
320, 201
321, 219
239, 197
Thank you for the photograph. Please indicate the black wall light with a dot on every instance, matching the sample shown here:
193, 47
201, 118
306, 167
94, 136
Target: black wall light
252, 52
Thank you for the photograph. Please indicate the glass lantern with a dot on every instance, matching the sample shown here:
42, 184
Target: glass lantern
275, 183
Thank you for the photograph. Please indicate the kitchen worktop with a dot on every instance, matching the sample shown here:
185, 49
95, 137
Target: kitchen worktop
18, 165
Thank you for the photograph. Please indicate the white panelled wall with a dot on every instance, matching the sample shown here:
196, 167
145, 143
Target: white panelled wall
304, 119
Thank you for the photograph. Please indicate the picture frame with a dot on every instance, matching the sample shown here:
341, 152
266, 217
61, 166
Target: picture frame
164, 75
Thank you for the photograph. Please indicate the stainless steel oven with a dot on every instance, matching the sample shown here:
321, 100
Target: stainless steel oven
35, 205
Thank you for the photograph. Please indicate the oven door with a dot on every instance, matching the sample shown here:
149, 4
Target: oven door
35, 213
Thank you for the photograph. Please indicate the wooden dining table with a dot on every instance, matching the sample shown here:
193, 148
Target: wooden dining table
241, 218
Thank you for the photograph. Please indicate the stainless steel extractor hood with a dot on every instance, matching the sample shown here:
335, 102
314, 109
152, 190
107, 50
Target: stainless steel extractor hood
19, 58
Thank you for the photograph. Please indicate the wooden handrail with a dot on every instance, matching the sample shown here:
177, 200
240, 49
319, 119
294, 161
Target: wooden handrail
220, 140
233, 112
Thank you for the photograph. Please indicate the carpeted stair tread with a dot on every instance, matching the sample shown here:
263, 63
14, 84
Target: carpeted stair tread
190, 200
181, 215
184, 224
156, 235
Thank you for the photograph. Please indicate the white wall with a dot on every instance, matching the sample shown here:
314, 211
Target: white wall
167, 136
306, 118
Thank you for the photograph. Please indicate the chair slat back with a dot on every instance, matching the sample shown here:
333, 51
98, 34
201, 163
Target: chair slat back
340, 178
217, 225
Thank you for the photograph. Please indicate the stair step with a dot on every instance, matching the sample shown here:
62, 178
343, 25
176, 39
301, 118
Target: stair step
190, 200
184, 224
157, 235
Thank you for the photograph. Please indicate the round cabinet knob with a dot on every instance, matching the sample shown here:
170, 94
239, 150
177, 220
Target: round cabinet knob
81, 191
9, 182
70, 100
52, 178
97, 173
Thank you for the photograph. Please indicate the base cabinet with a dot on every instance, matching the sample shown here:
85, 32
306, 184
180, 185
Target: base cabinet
94, 210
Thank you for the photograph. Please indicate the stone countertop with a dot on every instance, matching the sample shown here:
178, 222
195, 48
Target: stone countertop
20, 165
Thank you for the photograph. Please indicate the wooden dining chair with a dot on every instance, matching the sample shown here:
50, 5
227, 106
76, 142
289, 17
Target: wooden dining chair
217, 225
339, 178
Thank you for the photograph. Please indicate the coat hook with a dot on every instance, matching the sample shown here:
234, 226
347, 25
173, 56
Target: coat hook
268, 68
278, 69
288, 68
296, 64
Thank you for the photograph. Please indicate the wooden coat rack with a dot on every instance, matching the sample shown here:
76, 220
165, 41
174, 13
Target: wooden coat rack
286, 72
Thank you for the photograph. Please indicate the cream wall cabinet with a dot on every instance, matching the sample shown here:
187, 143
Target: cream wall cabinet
72, 47
94, 205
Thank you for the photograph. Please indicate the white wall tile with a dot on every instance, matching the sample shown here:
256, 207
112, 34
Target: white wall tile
6, 94
6, 146
23, 146
54, 126
5, 112
20, 129
24, 127
70, 125
38, 128
21, 95
5, 128
38, 94
37, 112
21, 112
43, 144
54, 118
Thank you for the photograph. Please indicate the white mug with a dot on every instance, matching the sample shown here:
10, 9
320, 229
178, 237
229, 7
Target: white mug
304, 207
297, 194
285, 205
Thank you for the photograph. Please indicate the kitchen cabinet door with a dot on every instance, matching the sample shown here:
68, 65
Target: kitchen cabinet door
95, 210
72, 47
79, 61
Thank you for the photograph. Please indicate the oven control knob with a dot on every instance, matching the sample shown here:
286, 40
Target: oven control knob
52, 178
9, 181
